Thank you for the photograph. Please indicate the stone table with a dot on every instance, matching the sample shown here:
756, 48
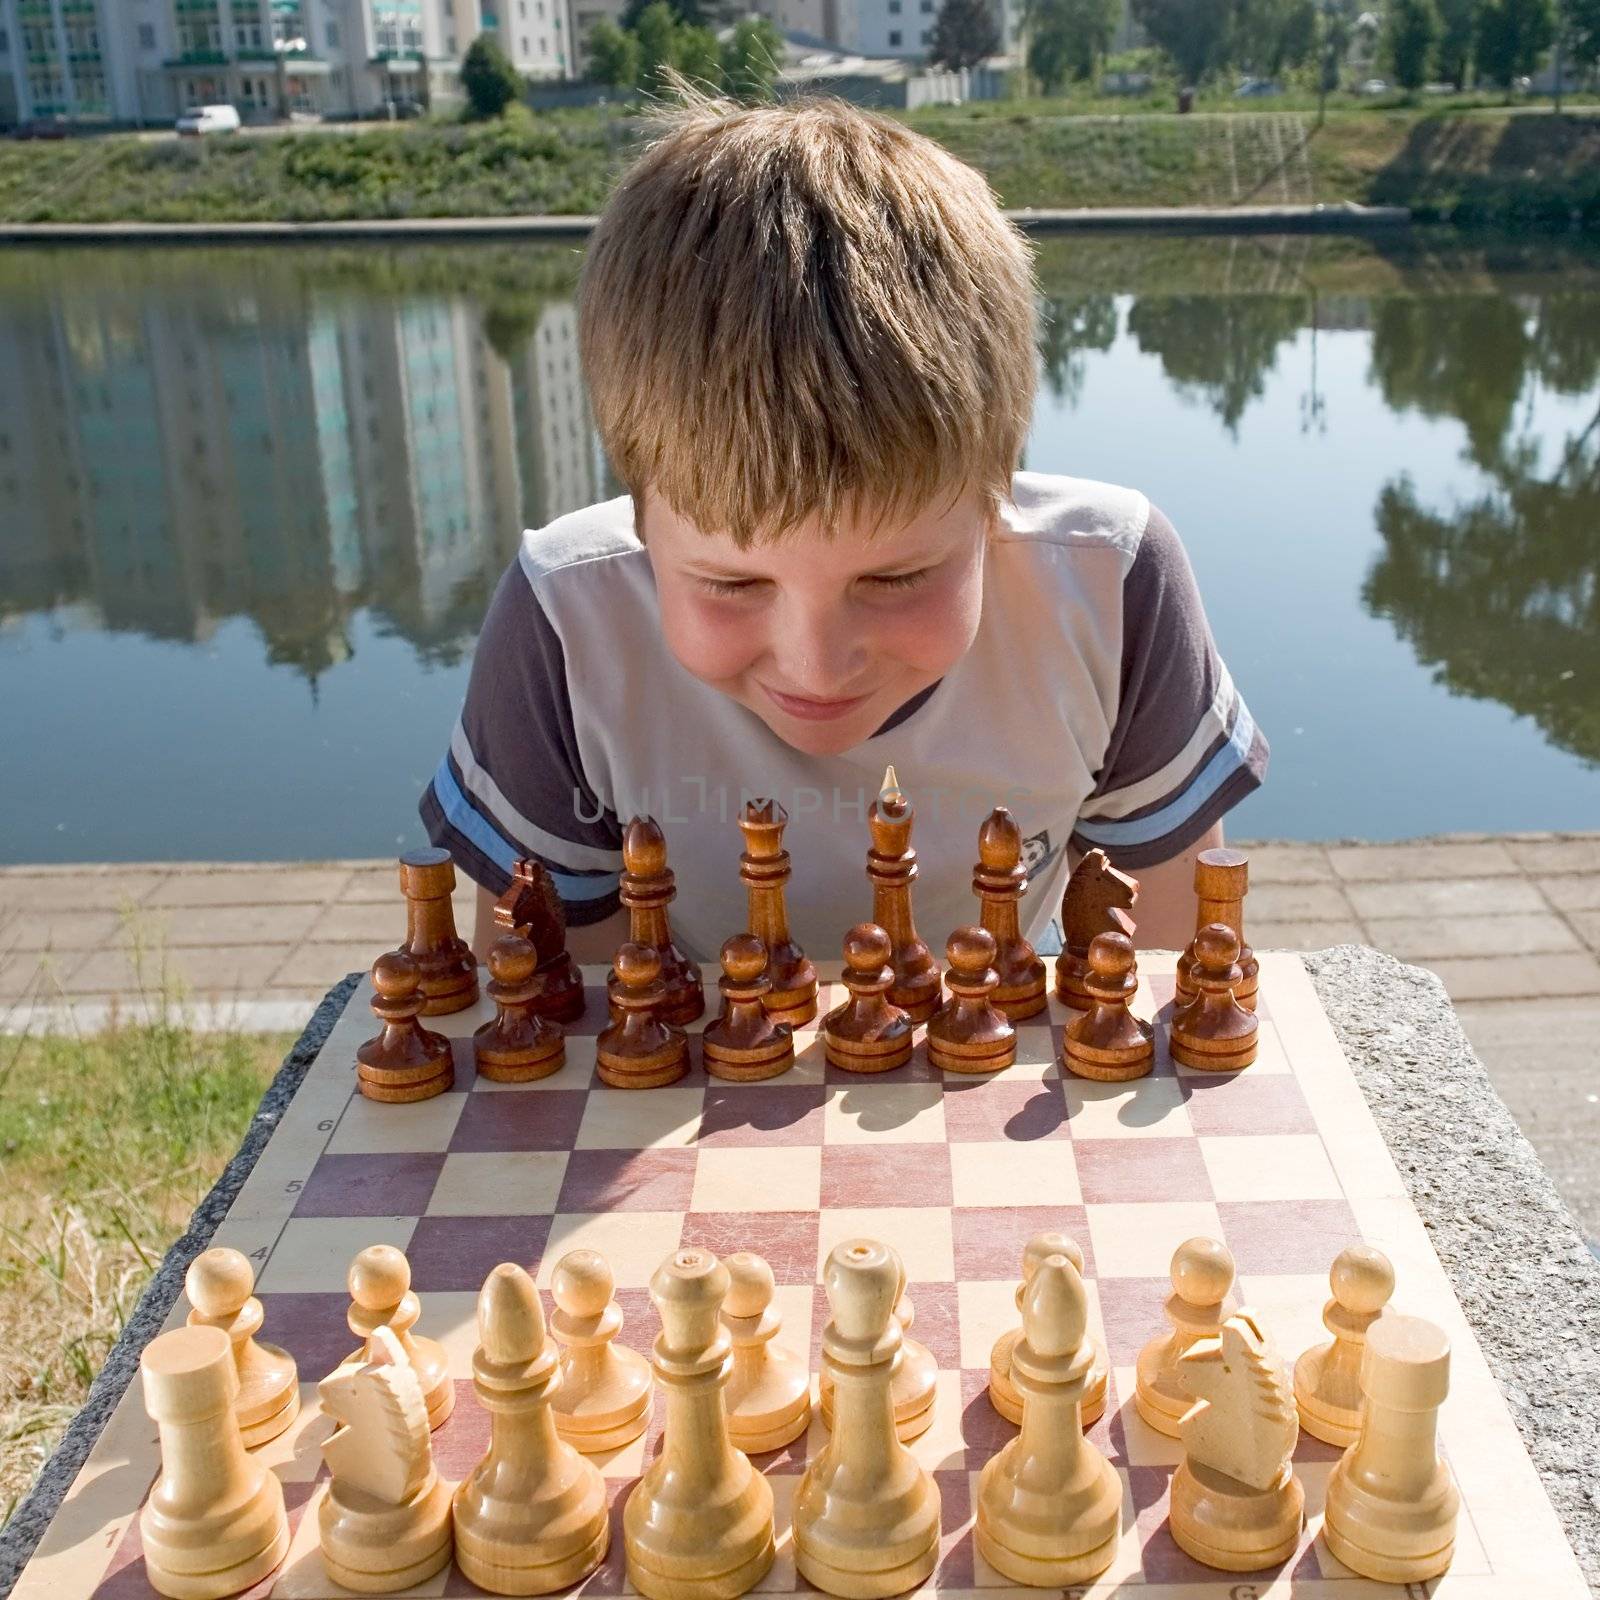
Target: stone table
1519, 1268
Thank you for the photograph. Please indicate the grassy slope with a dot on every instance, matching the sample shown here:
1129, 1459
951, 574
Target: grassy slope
106, 1145
1483, 165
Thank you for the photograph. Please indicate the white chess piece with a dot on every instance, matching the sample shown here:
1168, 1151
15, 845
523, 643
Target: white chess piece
1327, 1378
768, 1397
531, 1516
1202, 1275
384, 1519
603, 1401
1392, 1504
1049, 1504
1236, 1503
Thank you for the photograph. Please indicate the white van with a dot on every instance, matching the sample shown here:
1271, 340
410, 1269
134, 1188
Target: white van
209, 119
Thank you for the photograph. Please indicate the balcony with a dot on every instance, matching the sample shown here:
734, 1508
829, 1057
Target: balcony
197, 58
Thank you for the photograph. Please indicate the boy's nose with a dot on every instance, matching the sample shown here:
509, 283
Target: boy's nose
821, 652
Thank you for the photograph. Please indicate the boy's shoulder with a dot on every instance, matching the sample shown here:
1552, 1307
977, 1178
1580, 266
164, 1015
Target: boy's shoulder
1050, 510
599, 533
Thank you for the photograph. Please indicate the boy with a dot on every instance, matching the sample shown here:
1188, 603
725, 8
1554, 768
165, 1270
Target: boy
808, 336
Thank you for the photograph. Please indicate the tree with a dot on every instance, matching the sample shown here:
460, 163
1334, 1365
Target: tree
750, 57
1582, 19
657, 33
1512, 35
613, 55
964, 33
1411, 31
698, 57
488, 79
1192, 33
1458, 26
686, 11
1335, 28
1271, 35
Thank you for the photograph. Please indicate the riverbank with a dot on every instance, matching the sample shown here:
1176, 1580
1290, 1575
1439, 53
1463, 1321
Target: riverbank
1498, 167
1510, 923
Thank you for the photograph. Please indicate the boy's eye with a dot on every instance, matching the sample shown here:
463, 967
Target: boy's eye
901, 580
725, 588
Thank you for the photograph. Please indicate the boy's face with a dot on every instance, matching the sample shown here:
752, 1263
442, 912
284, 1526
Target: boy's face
823, 637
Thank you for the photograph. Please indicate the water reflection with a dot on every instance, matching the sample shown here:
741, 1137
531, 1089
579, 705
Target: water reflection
172, 459
340, 447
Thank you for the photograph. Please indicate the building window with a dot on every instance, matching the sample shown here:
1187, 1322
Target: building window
927, 33
333, 35
522, 9
147, 36
894, 37
5, 43
524, 44
894, 8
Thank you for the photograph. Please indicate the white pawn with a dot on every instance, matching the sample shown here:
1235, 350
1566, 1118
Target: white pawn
1236, 1504
531, 1516
1003, 1393
214, 1522
384, 1520
221, 1284
768, 1397
1050, 1505
1392, 1504
866, 1514
1327, 1378
604, 1399
1202, 1275
698, 1524
916, 1374
379, 1281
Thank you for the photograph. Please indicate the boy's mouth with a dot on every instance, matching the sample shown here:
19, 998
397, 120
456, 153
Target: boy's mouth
808, 709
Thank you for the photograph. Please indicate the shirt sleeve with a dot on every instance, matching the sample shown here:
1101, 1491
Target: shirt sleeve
512, 782
1184, 748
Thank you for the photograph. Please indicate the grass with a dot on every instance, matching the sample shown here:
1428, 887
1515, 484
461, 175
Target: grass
107, 1143
1460, 160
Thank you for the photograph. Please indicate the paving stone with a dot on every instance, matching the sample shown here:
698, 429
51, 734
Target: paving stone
1446, 897
1286, 863
58, 930
1298, 902
22, 891
382, 924
377, 881
313, 964
1540, 1057
1304, 933
201, 972
1579, 853
228, 886
1580, 893
1518, 977
1420, 859
1425, 938
259, 926
29, 975
1587, 924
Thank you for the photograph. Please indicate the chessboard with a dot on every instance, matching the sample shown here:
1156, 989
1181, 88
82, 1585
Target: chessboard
1282, 1162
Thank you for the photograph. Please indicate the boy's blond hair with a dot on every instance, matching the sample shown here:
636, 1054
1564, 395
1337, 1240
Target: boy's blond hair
805, 309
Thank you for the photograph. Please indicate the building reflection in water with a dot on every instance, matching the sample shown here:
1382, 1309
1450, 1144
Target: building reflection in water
171, 460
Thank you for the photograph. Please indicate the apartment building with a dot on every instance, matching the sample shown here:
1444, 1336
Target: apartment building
144, 60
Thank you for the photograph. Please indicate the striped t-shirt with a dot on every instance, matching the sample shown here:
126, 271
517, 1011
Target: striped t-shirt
1092, 702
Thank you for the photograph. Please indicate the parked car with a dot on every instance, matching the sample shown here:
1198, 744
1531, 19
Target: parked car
1256, 88
1374, 86
208, 119
42, 128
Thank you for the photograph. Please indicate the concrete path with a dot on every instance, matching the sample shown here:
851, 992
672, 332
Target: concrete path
1511, 923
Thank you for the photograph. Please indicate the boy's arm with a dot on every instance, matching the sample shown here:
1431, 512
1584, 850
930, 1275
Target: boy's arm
1164, 911
593, 945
